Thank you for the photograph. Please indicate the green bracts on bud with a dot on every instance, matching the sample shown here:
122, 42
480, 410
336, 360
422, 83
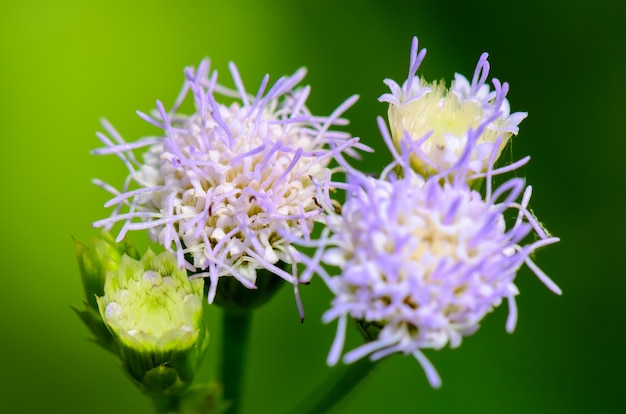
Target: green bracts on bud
101, 255
155, 315
368, 330
95, 259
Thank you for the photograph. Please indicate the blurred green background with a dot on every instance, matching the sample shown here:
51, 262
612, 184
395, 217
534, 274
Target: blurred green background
66, 63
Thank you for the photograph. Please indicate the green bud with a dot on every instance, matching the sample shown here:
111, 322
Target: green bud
155, 314
95, 259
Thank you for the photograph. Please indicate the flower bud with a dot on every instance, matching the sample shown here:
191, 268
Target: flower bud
154, 313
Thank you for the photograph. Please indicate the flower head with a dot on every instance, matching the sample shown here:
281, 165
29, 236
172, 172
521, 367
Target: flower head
439, 119
222, 186
423, 260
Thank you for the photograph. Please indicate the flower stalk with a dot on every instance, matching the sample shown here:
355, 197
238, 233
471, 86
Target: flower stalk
236, 333
336, 388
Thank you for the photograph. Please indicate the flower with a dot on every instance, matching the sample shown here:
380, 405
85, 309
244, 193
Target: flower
154, 313
420, 261
438, 118
222, 186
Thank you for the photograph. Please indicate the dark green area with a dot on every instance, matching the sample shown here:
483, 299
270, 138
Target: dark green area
64, 64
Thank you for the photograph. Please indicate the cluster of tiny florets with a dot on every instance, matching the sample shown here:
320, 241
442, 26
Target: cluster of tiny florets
224, 186
424, 261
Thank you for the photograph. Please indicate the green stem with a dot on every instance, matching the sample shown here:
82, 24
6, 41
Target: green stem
165, 404
236, 331
331, 391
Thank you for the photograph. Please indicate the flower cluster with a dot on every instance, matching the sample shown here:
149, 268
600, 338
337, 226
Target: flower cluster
417, 256
420, 255
221, 187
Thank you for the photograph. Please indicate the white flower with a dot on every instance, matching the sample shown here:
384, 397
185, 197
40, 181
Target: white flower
224, 185
424, 260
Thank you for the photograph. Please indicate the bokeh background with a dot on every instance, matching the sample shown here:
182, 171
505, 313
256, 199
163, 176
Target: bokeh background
66, 63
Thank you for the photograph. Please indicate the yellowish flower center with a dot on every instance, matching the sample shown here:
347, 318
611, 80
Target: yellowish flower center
449, 118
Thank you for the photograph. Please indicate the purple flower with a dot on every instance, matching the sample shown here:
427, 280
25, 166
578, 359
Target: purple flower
439, 118
221, 187
425, 259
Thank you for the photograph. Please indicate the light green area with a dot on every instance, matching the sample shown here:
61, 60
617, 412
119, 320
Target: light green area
151, 304
65, 63
155, 315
